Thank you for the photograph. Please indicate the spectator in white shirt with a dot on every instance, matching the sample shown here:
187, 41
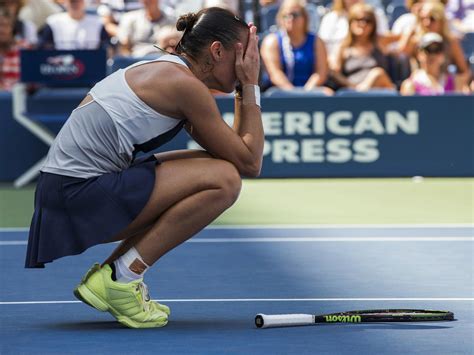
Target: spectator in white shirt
138, 30
73, 29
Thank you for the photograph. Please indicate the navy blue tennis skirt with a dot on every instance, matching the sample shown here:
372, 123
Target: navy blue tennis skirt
74, 214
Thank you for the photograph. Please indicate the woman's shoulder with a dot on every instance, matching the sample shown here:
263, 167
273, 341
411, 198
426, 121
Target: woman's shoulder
159, 74
271, 40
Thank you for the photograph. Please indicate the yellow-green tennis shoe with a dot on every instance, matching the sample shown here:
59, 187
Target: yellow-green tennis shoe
129, 303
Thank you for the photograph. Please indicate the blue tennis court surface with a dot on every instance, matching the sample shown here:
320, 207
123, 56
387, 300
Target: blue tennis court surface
218, 281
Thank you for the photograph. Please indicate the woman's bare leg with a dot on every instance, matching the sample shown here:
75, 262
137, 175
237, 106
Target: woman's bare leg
376, 78
189, 194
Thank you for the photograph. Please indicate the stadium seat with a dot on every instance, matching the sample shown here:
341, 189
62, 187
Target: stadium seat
58, 73
280, 93
373, 92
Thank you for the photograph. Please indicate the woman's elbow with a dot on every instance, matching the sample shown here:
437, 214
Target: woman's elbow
251, 170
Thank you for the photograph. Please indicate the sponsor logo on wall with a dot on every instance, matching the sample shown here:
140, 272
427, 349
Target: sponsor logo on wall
337, 137
63, 67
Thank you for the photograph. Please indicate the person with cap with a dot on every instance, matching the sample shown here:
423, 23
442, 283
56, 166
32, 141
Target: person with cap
432, 78
432, 18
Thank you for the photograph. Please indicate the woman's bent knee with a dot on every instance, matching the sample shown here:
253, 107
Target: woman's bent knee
229, 181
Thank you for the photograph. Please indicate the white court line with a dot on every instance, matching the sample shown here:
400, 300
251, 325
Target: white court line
190, 300
341, 226
309, 226
330, 239
300, 240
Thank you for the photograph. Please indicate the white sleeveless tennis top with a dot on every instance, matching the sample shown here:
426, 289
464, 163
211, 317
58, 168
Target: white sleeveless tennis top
104, 135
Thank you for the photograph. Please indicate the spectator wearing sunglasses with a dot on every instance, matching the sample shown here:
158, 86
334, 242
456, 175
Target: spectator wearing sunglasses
432, 78
361, 63
293, 56
335, 25
432, 18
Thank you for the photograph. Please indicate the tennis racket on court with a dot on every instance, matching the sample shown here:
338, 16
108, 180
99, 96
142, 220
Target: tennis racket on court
375, 315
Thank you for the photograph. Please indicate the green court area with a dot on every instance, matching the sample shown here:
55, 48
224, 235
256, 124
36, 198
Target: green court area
317, 201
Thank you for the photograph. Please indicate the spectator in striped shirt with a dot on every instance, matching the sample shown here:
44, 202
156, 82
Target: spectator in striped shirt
9, 51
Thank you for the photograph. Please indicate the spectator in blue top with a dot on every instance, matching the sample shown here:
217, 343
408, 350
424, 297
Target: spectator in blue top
293, 56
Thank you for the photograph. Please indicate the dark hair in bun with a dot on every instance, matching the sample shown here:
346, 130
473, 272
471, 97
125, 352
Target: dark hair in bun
206, 26
186, 22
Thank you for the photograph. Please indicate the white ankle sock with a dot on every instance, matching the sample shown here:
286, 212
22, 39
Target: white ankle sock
127, 266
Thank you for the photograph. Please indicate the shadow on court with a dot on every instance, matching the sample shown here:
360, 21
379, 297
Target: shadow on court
86, 326
217, 285
393, 326
176, 325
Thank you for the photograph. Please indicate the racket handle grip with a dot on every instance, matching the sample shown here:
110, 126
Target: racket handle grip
283, 320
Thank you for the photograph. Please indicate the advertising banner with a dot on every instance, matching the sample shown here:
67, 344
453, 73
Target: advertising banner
63, 67
363, 136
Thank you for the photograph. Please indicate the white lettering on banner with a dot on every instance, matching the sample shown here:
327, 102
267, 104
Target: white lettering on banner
368, 122
366, 150
334, 123
272, 123
298, 123
291, 128
267, 148
340, 123
394, 120
312, 150
339, 150
285, 150
318, 123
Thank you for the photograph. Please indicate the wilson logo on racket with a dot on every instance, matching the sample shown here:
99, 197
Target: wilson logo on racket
343, 319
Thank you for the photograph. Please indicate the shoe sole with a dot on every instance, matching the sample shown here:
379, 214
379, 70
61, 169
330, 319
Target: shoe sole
100, 307
87, 296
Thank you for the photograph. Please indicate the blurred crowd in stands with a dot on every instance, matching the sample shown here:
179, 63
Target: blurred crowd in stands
423, 47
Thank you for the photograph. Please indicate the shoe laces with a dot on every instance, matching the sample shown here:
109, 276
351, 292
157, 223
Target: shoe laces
143, 289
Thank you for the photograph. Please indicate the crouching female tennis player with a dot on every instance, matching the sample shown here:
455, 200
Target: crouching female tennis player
93, 190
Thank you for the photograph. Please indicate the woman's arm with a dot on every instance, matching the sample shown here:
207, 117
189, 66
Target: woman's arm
407, 87
320, 75
243, 145
463, 76
271, 59
407, 44
384, 42
457, 56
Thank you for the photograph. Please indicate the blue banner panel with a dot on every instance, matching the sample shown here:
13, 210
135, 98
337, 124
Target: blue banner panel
309, 137
363, 136
63, 67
